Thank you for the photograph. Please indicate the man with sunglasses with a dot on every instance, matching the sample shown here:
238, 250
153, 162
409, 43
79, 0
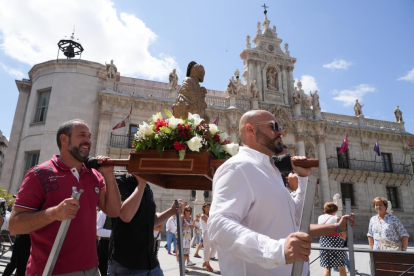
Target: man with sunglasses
253, 218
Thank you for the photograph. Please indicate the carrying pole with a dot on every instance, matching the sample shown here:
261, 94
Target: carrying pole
350, 237
180, 244
305, 221
60, 237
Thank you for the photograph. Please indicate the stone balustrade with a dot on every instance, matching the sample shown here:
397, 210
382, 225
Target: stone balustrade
363, 122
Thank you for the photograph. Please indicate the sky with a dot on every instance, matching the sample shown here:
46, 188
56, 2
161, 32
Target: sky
346, 50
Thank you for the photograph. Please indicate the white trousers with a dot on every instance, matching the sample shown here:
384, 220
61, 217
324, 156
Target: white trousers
209, 247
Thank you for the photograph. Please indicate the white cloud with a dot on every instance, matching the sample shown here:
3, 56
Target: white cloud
12, 71
409, 77
348, 97
338, 64
104, 32
308, 83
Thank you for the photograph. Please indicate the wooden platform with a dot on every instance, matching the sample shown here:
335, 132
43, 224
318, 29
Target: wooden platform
195, 172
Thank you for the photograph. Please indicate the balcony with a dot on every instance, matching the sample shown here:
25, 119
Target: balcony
121, 141
369, 166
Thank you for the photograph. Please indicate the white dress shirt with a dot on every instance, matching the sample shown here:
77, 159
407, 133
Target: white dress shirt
251, 215
100, 221
171, 225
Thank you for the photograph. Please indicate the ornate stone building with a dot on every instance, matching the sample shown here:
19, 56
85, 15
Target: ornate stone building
59, 90
3, 149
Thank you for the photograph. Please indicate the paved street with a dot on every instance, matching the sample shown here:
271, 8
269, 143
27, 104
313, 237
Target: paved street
170, 267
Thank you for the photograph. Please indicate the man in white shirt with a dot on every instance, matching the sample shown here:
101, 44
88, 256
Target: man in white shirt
253, 216
171, 228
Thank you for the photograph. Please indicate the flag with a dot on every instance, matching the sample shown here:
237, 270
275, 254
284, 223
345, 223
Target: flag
377, 149
344, 146
124, 121
216, 121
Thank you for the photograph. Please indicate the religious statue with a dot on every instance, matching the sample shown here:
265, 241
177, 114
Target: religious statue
173, 80
274, 28
358, 108
271, 77
286, 47
338, 201
253, 89
299, 85
296, 96
310, 152
315, 99
191, 96
237, 73
231, 87
398, 115
111, 70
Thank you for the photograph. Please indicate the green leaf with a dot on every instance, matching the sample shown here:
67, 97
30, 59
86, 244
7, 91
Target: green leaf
168, 113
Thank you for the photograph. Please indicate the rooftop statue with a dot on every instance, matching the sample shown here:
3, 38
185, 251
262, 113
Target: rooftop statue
296, 96
358, 108
315, 99
191, 96
253, 89
111, 70
173, 80
398, 115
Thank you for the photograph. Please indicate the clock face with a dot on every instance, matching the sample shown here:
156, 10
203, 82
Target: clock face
270, 48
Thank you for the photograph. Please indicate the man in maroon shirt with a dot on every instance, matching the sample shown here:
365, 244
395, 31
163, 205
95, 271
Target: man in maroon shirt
45, 199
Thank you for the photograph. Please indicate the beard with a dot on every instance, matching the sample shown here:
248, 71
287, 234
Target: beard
268, 142
77, 153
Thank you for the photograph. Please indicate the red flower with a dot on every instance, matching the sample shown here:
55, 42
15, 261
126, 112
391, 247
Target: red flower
226, 142
217, 138
179, 146
183, 130
160, 123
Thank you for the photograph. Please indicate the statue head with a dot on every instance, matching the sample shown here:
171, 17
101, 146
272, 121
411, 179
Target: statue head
356, 101
299, 84
112, 61
174, 70
197, 72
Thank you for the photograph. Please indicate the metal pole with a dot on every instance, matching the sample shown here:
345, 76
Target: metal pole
305, 221
60, 237
180, 244
350, 237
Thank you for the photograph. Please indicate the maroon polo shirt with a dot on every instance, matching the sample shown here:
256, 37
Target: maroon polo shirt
46, 185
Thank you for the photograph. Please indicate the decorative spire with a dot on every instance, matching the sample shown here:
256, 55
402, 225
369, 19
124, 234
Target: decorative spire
266, 22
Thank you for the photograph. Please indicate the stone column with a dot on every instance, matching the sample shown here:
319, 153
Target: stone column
291, 86
285, 84
232, 101
259, 81
198, 202
232, 116
301, 144
323, 169
251, 72
103, 132
255, 103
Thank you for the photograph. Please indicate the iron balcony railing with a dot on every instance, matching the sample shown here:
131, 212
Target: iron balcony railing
121, 141
370, 166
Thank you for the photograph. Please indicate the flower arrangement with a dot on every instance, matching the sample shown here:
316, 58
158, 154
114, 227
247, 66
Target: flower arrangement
183, 135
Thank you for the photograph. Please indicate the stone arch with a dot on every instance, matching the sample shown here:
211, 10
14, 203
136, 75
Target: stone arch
279, 76
282, 116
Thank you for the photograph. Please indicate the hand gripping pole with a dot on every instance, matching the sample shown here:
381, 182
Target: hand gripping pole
305, 221
60, 237
179, 242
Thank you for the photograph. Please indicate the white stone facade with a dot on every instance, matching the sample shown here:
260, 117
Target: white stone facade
81, 89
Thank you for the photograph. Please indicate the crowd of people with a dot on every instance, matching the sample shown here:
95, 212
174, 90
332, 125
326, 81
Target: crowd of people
123, 238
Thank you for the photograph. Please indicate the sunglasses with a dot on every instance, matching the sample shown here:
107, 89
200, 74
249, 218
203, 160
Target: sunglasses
276, 125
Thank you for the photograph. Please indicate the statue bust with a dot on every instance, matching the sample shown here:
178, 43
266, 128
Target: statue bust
191, 96
358, 108
173, 80
398, 115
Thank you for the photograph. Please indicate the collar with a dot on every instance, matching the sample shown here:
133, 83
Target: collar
256, 155
63, 166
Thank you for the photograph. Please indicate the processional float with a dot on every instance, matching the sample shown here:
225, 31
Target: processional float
193, 172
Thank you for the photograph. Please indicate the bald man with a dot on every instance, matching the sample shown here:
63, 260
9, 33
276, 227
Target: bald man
253, 216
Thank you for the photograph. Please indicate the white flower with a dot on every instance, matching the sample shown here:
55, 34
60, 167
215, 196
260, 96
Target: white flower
195, 143
213, 129
231, 148
173, 122
156, 117
196, 117
223, 136
146, 129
